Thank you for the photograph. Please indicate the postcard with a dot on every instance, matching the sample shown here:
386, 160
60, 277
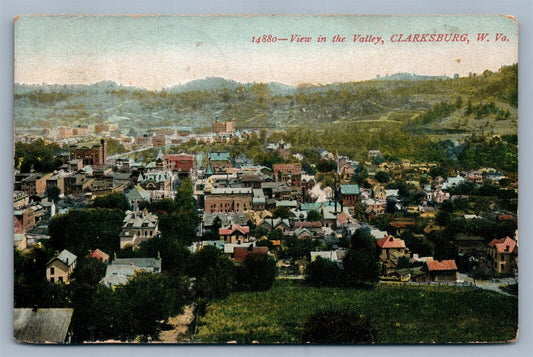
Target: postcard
265, 179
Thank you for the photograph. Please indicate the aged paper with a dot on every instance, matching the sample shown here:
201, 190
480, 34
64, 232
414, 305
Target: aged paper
266, 179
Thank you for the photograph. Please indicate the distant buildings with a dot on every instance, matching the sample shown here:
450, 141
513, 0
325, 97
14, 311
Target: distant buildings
222, 127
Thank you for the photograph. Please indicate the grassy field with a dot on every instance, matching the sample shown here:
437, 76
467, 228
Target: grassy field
401, 314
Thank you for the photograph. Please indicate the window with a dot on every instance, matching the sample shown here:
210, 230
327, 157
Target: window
60, 279
52, 280
52, 271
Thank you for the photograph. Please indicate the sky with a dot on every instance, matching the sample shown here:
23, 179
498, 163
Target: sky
156, 52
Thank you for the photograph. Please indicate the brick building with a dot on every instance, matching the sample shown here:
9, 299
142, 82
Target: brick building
290, 173
93, 153
222, 127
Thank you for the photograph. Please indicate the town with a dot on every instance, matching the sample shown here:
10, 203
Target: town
146, 215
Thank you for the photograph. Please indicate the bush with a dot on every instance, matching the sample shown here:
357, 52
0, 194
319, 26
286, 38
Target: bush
338, 327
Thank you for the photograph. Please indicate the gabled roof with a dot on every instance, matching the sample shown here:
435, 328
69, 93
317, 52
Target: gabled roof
98, 254
234, 227
439, 265
504, 246
64, 257
41, 326
390, 242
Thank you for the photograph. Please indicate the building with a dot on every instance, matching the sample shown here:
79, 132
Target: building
137, 227
182, 164
20, 199
121, 270
442, 270
349, 194
503, 254
34, 184
23, 220
289, 173
391, 248
218, 162
99, 255
234, 234
42, 326
59, 268
92, 153
228, 200
222, 127
77, 184
240, 253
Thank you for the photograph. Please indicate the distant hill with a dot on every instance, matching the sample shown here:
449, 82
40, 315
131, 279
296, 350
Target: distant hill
207, 84
408, 77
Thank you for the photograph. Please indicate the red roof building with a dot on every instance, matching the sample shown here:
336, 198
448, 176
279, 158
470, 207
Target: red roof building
442, 270
503, 253
391, 248
235, 234
240, 253
98, 254
181, 163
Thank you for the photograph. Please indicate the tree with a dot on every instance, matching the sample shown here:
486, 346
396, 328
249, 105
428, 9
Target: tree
361, 263
281, 212
213, 272
338, 327
313, 216
323, 272
257, 273
145, 301
114, 200
82, 230
53, 192
382, 177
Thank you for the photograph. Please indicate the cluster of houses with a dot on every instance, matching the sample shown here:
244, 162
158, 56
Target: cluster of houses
233, 196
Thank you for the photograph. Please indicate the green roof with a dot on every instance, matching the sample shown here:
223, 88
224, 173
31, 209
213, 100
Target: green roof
219, 156
350, 190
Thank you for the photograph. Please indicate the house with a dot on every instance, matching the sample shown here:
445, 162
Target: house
99, 255
121, 270
442, 270
391, 248
440, 196
137, 227
275, 223
137, 194
503, 254
335, 256
42, 325
349, 194
303, 233
234, 234
380, 194
59, 268
314, 227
